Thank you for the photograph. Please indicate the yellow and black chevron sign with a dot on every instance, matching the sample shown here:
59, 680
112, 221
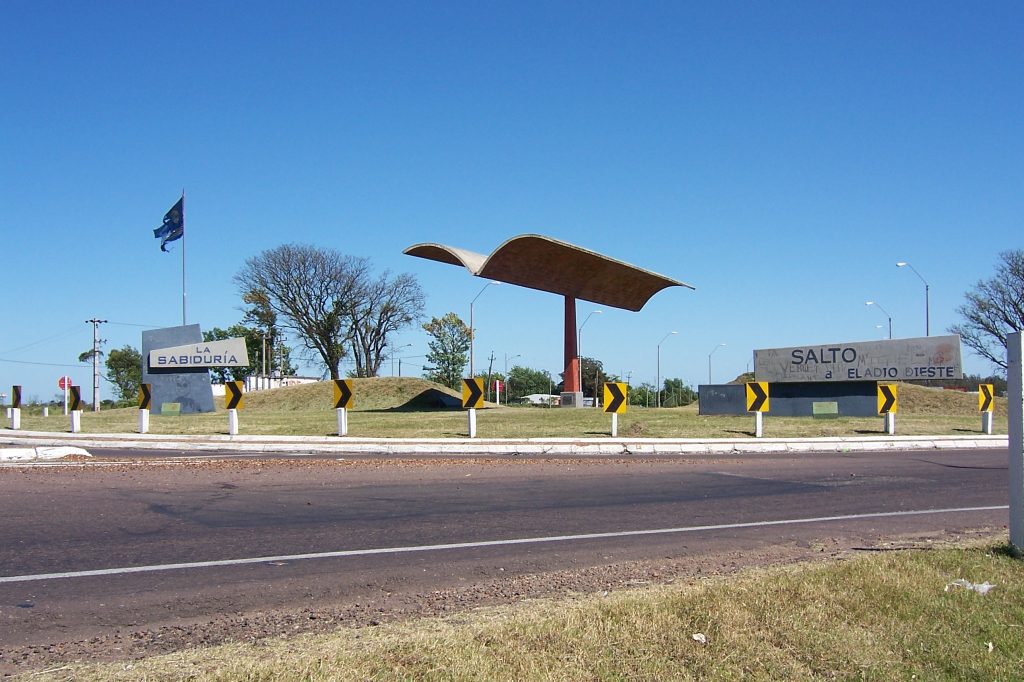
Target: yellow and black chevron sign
145, 396
16, 397
757, 396
888, 400
342, 394
615, 397
233, 395
75, 398
472, 393
985, 398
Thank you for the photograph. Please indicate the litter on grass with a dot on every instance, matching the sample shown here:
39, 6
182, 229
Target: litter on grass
980, 588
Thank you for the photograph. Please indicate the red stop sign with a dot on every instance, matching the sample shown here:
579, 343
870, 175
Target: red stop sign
64, 382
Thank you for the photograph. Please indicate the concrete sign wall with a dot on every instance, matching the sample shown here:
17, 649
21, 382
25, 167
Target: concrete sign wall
187, 388
849, 399
226, 353
930, 357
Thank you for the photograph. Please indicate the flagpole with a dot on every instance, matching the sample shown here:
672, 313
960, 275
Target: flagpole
183, 322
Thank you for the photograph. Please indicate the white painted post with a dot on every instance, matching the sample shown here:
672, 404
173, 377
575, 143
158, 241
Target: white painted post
76, 421
890, 423
15, 418
46, 411
472, 422
233, 422
1015, 427
615, 424
986, 423
759, 424
342, 421
143, 421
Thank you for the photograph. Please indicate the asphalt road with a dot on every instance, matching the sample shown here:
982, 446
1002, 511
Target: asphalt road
570, 518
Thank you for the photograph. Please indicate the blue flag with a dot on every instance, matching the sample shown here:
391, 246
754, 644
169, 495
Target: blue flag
173, 228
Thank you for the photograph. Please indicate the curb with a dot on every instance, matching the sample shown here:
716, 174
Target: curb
590, 447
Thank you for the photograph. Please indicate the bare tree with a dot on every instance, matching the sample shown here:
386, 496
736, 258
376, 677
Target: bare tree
312, 289
383, 307
994, 308
331, 302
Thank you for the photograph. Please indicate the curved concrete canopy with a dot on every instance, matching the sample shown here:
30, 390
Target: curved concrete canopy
538, 262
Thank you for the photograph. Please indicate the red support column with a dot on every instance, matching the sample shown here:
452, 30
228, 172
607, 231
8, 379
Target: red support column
570, 379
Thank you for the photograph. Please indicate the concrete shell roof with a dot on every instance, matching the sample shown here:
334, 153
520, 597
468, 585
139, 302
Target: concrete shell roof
539, 262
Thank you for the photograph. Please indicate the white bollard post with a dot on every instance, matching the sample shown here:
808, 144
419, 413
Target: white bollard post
15, 418
472, 422
890, 423
76, 421
143, 421
233, 422
342, 421
1015, 428
615, 424
758, 424
986, 423
46, 411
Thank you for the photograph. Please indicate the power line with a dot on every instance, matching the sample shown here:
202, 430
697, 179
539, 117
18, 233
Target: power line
58, 335
44, 364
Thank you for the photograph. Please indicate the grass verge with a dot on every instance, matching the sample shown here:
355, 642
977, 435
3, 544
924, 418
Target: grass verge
885, 616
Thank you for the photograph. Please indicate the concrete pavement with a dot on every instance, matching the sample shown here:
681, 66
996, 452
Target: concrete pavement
599, 447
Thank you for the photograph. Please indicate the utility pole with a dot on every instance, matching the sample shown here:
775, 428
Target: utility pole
490, 368
95, 362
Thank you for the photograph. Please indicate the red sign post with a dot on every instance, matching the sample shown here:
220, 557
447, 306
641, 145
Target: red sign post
64, 383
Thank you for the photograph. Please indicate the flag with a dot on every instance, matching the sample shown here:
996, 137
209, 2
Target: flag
174, 225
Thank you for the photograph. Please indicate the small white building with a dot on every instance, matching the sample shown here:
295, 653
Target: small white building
540, 399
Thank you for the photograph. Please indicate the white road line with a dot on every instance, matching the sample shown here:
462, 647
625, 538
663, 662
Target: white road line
483, 543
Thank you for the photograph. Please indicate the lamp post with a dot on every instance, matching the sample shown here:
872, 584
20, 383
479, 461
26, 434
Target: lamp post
927, 320
884, 313
410, 357
579, 354
472, 332
657, 386
507, 358
709, 359
394, 350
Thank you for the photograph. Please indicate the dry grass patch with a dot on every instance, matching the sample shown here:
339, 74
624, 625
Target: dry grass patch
880, 617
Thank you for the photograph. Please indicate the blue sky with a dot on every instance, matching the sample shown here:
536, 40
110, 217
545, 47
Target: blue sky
781, 157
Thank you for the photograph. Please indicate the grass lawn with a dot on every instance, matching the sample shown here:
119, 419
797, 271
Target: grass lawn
392, 407
878, 617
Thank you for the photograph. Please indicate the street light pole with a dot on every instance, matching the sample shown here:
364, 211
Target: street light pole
472, 331
657, 386
709, 359
506, 373
393, 351
579, 353
884, 313
927, 311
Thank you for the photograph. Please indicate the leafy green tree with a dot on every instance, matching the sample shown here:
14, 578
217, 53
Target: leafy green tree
676, 394
523, 381
643, 395
253, 341
449, 349
593, 376
278, 359
994, 309
124, 372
